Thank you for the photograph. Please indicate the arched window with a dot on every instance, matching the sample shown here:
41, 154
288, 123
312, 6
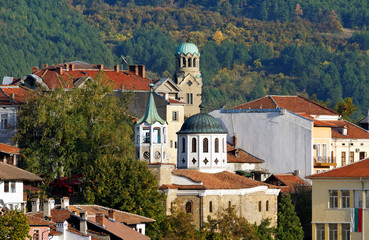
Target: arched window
259, 206
210, 206
184, 62
194, 144
205, 145
194, 62
267, 206
183, 145
216, 145
189, 207
190, 62
229, 204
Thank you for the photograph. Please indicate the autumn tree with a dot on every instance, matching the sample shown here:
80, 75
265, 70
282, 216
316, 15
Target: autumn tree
345, 108
14, 225
289, 225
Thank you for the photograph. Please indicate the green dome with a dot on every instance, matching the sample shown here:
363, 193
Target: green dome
201, 123
186, 48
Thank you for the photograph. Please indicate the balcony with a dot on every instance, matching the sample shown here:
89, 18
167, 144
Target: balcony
325, 161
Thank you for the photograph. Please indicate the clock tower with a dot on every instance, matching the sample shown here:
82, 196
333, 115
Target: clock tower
151, 134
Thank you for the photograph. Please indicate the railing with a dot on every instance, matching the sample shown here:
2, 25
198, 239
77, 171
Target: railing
324, 159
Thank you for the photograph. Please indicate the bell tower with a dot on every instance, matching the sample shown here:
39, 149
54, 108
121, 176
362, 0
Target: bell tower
188, 77
151, 134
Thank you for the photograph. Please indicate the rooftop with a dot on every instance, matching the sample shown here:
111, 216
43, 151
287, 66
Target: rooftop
13, 94
5, 148
201, 123
13, 173
240, 156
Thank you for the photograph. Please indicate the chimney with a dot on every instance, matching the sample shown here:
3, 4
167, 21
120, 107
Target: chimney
72, 67
35, 202
134, 69
100, 219
34, 69
44, 65
296, 172
62, 227
83, 223
116, 68
59, 70
141, 71
64, 202
12, 97
100, 67
111, 214
47, 207
234, 141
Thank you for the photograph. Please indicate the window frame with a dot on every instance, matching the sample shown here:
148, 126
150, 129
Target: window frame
345, 199
333, 199
6, 187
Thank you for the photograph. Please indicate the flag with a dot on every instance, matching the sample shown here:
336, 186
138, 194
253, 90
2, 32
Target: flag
356, 219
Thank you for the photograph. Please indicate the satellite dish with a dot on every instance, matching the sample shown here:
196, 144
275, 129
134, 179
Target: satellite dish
124, 61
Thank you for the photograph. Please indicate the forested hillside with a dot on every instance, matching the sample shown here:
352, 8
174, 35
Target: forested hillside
36, 32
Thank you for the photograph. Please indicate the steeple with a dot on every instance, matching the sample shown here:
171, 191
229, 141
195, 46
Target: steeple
151, 115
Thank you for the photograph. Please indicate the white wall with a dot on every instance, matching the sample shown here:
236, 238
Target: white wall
6, 134
281, 138
12, 198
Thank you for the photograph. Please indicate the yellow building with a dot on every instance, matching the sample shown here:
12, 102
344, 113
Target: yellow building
335, 194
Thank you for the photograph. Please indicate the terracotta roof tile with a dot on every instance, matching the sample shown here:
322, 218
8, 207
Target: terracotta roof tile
222, 180
36, 221
20, 94
5, 148
353, 131
296, 104
10, 172
353, 170
243, 157
57, 214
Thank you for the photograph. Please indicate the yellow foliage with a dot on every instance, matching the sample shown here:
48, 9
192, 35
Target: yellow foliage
218, 37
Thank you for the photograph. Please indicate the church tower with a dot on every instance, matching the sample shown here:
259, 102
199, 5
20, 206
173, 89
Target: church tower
151, 134
188, 77
202, 144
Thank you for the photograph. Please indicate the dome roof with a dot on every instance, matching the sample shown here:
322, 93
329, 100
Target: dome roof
186, 48
201, 123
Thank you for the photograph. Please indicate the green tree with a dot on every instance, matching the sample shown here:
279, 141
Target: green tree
345, 108
14, 225
264, 231
289, 225
86, 131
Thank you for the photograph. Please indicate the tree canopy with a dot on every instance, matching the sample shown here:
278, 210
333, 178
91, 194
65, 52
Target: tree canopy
14, 225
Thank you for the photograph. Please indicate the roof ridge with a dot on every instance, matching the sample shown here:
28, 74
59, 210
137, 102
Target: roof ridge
311, 101
266, 96
271, 97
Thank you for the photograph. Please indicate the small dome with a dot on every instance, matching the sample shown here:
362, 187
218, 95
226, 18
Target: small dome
201, 123
186, 48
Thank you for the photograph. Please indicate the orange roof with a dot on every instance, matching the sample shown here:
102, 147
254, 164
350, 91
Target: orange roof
243, 157
353, 170
57, 214
222, 180
353, 131
288, 179
120, 230
18, 97
5, 148
120, 216
296, 104
120, 79
36, 221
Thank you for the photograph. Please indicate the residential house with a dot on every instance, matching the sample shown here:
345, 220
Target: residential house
9, 154
288, 183
340, 202
12, 179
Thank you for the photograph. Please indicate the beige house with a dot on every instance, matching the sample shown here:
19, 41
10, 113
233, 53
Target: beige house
335, 194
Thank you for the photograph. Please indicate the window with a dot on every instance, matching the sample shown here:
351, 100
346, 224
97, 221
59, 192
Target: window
175, 116
267, 206
367, 198
343, 158
183, 62
229, 204
216, 145
183, 145
362, 155
36, 235
175, 144
189, 207
210, 206
4, 121
171, 143
320, 233
189, 99
156, 135
345, 231
194, 62
345, 196
358, 203
194, 145
332, 231
333, 197
6, 186
352, 157
190, 62
205, 145
259, 206
12, 187
146, 135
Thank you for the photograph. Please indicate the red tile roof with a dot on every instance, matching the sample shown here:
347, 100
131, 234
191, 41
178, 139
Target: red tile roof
5, 148
36, 221
353, 170
296, 104
120, 230
57, 214
353, 131
222, 180
243, 157
20, 94
121, 79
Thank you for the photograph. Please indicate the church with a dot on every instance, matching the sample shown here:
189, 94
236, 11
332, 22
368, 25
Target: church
199, 180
